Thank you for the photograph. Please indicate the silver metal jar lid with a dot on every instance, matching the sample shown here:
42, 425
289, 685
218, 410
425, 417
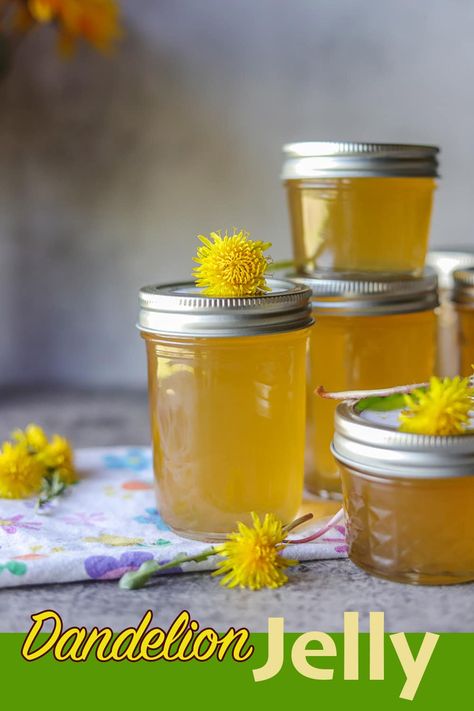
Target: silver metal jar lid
328, 159
463, 293
182, 310
369, 293
372, 446
446, 261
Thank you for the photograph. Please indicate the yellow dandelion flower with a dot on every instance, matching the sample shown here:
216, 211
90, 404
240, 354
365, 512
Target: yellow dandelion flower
43, 10
33, 438
57, 456
251, 557
443, 409
231, 265
20, 473
93, 20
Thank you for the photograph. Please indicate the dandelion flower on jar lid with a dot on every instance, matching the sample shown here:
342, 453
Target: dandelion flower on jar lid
442, 409
252, 556
20, 473
232, 265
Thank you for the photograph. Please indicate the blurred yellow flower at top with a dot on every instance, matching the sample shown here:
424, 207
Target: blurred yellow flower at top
20, 473
443, 409
43, 10
33, 437
96, 21
57, 456
231, 265
252, 556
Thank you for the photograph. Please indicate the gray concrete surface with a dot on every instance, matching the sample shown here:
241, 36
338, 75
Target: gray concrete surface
316, 597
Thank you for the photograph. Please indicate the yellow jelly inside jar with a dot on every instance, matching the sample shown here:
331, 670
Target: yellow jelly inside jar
409, 499
368, 333
360, 206
227, 405
464, 300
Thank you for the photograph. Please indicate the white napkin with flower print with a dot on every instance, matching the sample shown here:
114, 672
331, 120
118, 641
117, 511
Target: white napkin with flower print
107, 524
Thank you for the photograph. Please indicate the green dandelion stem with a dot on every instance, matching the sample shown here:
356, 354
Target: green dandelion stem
281, 264
51, 487
139, 578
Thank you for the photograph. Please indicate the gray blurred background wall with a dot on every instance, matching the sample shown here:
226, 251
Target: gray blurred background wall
110, 167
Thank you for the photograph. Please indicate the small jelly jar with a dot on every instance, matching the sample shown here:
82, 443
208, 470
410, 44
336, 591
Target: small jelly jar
445, 262
463, 297
227, 402
370, 332
408, 498
360, 206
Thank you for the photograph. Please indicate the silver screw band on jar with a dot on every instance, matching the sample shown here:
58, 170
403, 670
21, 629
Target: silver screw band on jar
182, 310
446, 261
369, 294
372, 448
463, 293
327, 159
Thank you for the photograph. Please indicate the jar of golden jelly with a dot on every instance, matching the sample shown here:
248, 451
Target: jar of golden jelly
370, 332
227, 401
360, 206
408, 498
463, 297
445, 262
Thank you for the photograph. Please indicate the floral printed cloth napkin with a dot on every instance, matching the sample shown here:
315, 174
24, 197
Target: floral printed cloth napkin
106, 525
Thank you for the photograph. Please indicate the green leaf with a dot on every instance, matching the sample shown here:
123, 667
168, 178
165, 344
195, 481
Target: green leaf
384, 403
51, 487
381, 404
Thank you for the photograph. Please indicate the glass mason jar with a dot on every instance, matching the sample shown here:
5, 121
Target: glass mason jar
360, 206
227, 401
445, 262
463, 296
408, 498
369, 333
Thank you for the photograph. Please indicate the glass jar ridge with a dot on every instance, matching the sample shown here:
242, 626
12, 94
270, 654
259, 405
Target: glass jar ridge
409, 499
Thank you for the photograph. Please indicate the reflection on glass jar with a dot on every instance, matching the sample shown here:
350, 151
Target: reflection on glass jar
227, 404
463, 297
360, 206
409, 499
445, 262
368, 333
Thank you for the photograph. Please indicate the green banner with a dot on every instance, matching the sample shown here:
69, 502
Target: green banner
373, 671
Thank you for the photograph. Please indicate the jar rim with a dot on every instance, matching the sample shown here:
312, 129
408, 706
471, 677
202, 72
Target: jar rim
446, 261
182, 309
370, 293
312, 159
375, 448
463, 291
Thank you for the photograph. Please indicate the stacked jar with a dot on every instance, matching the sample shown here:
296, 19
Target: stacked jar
360, 216
369, 333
